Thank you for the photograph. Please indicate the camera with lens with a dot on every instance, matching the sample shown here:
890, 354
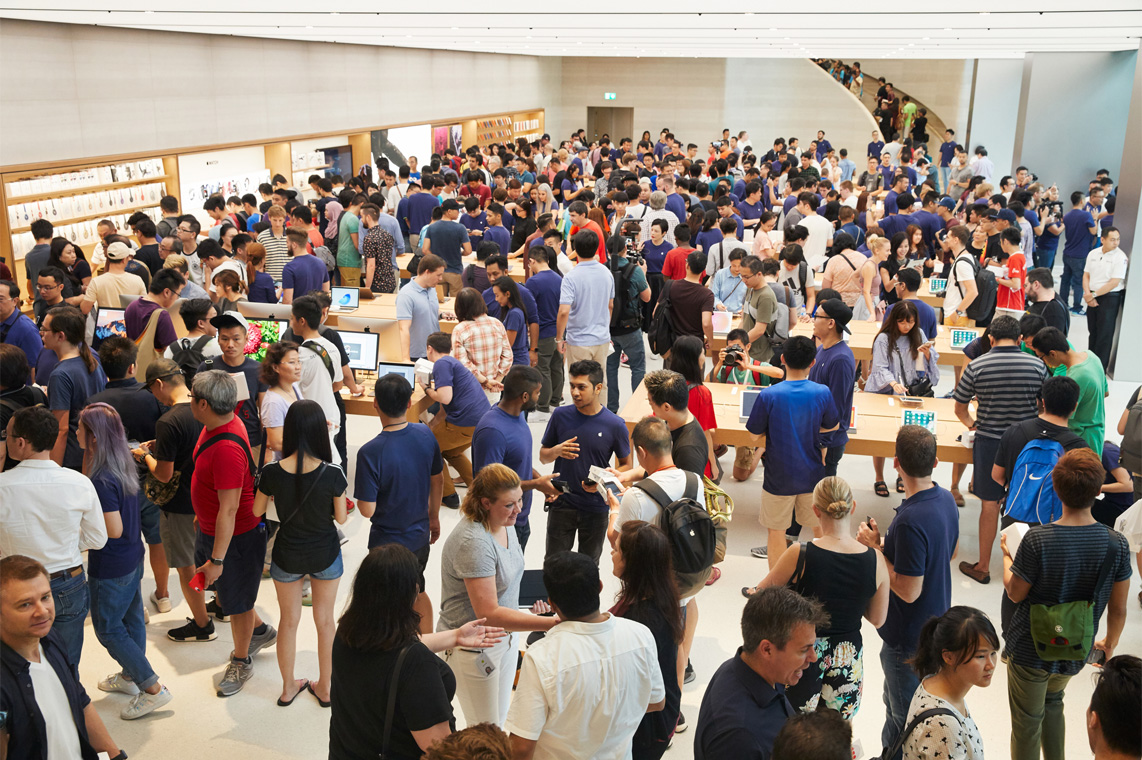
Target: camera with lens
1053, 208
734, 355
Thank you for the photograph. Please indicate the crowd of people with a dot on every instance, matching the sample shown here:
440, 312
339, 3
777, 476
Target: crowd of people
187, 453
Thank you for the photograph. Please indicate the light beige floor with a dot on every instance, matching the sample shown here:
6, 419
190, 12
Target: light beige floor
199, 724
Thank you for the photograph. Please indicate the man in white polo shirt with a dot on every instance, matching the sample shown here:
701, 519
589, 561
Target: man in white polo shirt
1104, 276
820, 229
585, 687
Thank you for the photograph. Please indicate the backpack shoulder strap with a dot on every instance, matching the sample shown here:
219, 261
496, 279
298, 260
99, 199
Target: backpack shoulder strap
799, 570
654, 491
920, 718
229, 437
318, 349
391, 703
692, 483
202, 341
1104, 571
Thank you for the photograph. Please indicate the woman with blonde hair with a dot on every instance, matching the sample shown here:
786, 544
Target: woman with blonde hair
481, 569
870, 306
852, 582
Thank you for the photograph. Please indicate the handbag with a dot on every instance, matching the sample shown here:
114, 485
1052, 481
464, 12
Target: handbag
921, 386
158, 492
1066, 631
390, 707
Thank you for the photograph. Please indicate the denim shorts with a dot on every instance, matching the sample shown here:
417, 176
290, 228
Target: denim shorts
149, 520
331, 573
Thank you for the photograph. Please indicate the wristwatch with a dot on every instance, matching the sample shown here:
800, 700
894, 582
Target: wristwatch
216, 561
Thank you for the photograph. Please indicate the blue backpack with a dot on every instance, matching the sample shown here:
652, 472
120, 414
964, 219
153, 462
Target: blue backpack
1031, 497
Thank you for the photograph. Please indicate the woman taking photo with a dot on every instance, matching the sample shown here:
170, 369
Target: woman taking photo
482, 566
688, 358
281, 370
642, 562
68, 257
851, 580
116, 570
512, 316
957, 651
262, 288
230, 290
903, 358
376, 638
309, 494
480, 343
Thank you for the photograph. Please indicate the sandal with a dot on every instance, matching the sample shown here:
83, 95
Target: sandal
958, 497
320, 701
299, 691
748, 591
881, 488
714, 576
899, 485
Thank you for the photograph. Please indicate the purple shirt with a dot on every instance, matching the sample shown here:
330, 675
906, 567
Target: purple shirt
138, 313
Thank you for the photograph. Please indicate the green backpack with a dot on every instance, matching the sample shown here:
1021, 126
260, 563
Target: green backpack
1066, 631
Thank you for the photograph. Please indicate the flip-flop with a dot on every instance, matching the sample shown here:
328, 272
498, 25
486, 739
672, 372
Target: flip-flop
714, 576
320, 701
747, 591
299, 691
880, 488
957, 497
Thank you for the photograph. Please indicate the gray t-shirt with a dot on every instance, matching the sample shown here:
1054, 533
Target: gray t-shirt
472, 552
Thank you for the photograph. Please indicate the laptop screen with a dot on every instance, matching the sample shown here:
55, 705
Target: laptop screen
408, 371
110, 322
346, 298
362, 349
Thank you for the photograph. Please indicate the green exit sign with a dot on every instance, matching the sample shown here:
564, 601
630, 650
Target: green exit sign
608, 96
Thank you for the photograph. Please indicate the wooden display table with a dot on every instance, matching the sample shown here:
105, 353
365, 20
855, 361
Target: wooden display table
926, 295
878, 420
515, 267
363, 405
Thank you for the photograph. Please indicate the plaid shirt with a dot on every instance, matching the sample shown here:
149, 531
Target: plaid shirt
481, 345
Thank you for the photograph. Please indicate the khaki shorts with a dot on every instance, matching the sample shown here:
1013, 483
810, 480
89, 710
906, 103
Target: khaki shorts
743, 457
177, 532
776, 510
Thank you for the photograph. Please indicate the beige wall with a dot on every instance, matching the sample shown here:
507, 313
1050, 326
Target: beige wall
943, 85
79, 91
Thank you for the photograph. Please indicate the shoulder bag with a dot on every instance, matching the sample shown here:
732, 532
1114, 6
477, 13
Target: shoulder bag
390, 706
921, 386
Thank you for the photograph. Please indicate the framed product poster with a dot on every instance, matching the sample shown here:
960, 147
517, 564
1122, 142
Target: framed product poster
440, 138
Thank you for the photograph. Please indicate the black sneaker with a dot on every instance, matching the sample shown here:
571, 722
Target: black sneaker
191, 632
689, 677
680, 727
452, 502
214, 609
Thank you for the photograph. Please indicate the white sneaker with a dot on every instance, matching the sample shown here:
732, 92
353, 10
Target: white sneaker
118, 683
162, 604
144, 704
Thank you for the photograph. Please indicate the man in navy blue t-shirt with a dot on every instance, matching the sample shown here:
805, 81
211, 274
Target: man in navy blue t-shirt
791, 415
305, 272
462, 406
834, 368
577, 437
1081, 230
503, 436
391, 471
544, 285
918, 549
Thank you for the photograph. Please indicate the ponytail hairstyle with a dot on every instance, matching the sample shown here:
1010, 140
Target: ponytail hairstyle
230, 280
958, 631
876, 242
834, 497
107, 451
71, 322
255, 257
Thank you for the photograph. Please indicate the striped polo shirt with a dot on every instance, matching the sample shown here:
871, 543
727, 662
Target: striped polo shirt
1007, 384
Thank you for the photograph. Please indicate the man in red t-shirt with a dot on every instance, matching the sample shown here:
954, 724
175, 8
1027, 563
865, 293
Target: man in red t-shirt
474, 186
1009, 293
674, 266
577, 211
230, 547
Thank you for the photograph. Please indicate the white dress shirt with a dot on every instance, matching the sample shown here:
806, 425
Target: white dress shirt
49, 513
584, 689
1104, 267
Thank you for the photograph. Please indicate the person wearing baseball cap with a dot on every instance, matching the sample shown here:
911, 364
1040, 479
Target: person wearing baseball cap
234, 335
449, 240
104, 291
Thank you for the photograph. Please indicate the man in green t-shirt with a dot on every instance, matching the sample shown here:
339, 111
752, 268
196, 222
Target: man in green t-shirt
759, 308
907, 114
348, 242
1089, 419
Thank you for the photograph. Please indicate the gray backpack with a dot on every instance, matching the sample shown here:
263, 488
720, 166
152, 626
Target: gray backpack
322, 252
778, 330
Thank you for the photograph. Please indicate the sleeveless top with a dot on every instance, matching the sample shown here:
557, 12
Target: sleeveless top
843, 583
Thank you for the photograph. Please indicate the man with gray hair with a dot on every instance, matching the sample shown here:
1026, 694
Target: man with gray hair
745, 705
230, 546
657, 211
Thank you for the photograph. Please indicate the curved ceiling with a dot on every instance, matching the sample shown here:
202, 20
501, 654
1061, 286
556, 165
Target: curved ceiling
669, 28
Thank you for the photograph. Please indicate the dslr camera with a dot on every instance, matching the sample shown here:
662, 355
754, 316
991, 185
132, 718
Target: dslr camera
734, 355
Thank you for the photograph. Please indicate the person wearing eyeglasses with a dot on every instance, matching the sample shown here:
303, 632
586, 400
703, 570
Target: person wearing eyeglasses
15, 327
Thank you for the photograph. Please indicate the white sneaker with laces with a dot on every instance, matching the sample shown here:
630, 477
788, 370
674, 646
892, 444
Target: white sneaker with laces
117, 683
144, 704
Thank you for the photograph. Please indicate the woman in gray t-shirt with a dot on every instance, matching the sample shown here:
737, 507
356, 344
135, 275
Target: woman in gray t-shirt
482, 567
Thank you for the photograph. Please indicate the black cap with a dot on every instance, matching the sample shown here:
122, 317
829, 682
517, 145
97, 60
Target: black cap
450, 205
837, 311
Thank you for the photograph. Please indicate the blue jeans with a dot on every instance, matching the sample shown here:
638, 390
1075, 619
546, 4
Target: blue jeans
117, 616
1072, 277
945, 177
72, 604
631, 344
1044, 257
900, 684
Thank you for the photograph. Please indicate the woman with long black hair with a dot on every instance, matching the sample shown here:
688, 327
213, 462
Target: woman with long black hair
512, 314
309, 495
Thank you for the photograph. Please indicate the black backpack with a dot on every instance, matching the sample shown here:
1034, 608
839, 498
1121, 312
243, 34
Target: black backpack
982, 309
188, 355
626, 315
693, 539
660, 332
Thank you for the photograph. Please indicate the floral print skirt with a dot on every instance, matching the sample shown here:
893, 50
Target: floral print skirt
835, 679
